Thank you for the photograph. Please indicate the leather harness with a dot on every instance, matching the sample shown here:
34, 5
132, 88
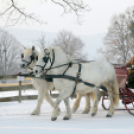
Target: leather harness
77, 79
49, 78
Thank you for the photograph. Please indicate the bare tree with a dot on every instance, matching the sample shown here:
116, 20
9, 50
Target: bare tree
41, 41
130, 12
10, 50
16, 14
119, 42
70, 44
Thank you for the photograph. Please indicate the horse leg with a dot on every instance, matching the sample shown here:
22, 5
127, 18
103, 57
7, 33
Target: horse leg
87, 106
111, 98
77, 103
50, 101
68, 110
39, 102
63, 95
95, 106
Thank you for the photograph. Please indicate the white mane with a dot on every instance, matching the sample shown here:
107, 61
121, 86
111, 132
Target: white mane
56, 49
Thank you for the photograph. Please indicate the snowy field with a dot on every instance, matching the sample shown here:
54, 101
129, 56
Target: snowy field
15, 118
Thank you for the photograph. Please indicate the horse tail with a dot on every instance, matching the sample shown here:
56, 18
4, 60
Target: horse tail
116, 92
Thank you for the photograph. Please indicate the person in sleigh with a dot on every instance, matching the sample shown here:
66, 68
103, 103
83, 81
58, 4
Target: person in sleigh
130, 67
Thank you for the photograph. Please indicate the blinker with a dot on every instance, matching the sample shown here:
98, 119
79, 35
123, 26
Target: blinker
37, 58
45, 59
32, 57
22, 56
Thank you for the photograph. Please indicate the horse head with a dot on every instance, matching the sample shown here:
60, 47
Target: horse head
29, 58
49, 58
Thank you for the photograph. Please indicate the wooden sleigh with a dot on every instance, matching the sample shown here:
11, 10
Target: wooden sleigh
126, 94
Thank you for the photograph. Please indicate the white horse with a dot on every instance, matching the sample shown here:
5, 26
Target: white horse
29, 59
98, 73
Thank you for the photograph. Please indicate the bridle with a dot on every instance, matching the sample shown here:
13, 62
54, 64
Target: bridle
32, 58
46, 59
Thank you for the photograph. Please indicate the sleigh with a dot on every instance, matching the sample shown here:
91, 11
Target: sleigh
125, 92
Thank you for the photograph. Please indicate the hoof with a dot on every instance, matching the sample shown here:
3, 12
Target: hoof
53, 119
35, 113
109, 116
66, 118
93, 114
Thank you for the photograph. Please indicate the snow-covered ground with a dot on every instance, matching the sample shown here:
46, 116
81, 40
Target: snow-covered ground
15, 118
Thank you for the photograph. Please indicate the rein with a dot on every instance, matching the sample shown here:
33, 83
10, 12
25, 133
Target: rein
49, 78
45, 59
28, 63
72, 79
76, 79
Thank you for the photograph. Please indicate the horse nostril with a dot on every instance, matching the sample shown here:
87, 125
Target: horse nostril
36, 71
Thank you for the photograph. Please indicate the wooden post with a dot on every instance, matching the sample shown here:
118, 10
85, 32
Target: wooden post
20, 79
19, 91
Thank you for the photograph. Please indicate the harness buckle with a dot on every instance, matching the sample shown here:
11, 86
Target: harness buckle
77, 81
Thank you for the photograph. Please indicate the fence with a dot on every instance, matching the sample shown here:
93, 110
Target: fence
16, 87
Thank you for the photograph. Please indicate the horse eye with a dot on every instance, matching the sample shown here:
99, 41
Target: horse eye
37, 58
32, 57
22, 56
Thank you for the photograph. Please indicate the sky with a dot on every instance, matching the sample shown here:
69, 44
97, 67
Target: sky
94, 22
94, 26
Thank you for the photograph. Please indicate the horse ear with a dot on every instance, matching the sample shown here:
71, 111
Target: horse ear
22, 56
33, 48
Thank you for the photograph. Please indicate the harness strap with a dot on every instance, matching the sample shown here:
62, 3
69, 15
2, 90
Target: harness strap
32, 58
26, 61
60, 66
77, 80
69, 65
30, 68
52, 62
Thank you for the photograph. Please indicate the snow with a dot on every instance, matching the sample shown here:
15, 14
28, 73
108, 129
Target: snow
15, 118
